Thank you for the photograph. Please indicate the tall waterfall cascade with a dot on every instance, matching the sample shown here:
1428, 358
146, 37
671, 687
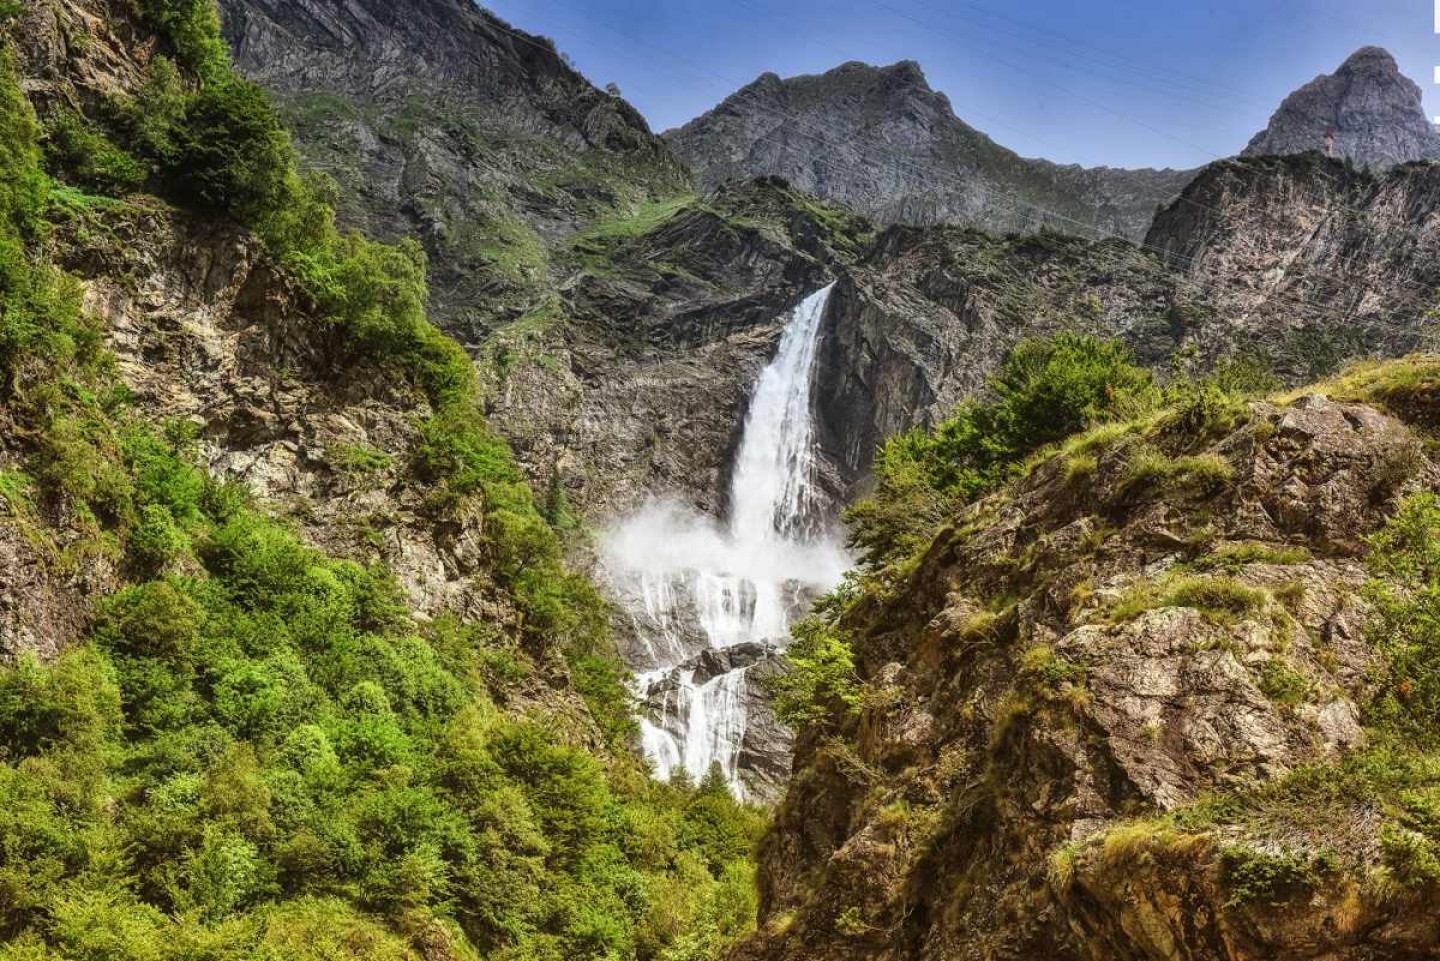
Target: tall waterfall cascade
713, 602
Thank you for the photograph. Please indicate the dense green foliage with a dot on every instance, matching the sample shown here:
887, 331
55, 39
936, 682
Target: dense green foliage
1405, 559
822, 682
269, 733
259, 754
1046, 390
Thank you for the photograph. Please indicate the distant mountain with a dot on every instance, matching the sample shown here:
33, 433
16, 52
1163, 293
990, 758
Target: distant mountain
880, 140
1373, 111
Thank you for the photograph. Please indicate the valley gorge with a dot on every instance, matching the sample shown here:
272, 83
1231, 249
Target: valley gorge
406, 560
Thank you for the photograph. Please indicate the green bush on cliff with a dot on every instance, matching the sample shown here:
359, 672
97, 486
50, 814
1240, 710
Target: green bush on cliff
1405, 591
1046, 390
1050, 389
822, 683
191, 28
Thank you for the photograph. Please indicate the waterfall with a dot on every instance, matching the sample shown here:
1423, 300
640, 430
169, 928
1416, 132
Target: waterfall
740, 583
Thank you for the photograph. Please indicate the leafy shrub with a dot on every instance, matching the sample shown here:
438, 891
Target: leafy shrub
1262, 878
192, 30
1405, 591
22, 181
1412, 859
234, 155
1045, 391
821, 685
88, 155
157, 540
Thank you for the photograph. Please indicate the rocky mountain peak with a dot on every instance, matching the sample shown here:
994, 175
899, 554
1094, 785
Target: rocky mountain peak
1374, 112
882, 141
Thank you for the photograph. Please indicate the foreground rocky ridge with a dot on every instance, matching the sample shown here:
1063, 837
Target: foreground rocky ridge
1161, 613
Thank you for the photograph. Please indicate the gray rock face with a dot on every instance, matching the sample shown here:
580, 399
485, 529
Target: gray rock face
1314, 261
442, 122
1373, 111
1292, 259
921, 323
880, 141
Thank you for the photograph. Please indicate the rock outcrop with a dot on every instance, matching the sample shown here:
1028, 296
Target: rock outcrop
921, 322
1318, 261
1296, 261
1371, 113
1091, 647
882, 142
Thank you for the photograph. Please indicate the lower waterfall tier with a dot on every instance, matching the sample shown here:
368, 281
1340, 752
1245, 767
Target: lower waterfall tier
713, 710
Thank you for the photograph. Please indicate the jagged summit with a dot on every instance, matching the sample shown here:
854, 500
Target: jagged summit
1374, 112
883, 141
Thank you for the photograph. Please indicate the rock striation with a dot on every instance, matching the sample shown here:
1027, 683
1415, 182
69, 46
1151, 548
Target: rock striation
1321, 261
1373, 114
881, 141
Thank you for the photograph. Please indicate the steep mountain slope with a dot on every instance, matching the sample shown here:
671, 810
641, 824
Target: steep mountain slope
1372, 112
442, 122
880, 141
1325, 261
619, 319
1139, 703
228, 727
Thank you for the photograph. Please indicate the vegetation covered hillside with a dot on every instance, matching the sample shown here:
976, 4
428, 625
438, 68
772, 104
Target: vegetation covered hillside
226, 729
1135, 669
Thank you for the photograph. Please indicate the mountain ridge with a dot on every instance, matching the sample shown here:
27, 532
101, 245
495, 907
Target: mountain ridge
949, 171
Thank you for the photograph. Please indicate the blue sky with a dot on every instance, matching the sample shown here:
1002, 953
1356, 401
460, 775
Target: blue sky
1120, 82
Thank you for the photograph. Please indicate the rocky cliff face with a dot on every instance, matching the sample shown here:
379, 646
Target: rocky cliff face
880, 141
1318, 260
207, 331
1096, 646
925, 318
1298, 261
1372, 112
440, 121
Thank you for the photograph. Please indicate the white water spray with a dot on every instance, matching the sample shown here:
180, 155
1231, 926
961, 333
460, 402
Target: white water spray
743, 580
